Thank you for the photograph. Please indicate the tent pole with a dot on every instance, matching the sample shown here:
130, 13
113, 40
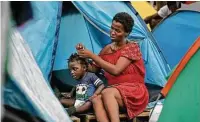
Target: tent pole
159, 96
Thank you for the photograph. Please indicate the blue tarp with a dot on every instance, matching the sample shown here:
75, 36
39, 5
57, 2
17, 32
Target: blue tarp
30, 62
26, 89
91, 25
41, 33
176, 34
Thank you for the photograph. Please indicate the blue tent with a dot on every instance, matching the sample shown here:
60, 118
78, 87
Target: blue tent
89, 23
176, 33
52, 38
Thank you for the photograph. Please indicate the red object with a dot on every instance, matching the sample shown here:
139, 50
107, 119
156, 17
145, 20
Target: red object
189, 2
130, 82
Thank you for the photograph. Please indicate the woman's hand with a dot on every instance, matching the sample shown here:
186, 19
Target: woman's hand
80, 46
84, 53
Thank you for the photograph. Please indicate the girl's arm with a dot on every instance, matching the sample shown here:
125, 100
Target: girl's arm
86, 106
99, 89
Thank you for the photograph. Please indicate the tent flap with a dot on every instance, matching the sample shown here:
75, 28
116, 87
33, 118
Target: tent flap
41, 33
27, 88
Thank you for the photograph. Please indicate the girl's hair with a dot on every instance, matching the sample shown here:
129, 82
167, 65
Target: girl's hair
76, 57
126, 20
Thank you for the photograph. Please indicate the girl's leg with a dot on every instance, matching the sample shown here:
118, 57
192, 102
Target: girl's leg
67, 102
112, 101
99, 109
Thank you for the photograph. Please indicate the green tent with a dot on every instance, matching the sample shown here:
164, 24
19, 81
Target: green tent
182, 91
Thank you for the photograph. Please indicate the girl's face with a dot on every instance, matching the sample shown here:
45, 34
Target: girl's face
117, 32
77, 70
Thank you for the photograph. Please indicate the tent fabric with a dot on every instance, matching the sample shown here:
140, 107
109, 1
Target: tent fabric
182, 90
23, 89
41, 33
176, 33
15, 115
92, 24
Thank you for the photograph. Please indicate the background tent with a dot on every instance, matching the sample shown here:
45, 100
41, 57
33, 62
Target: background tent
48, 40
182, 90
176, 33
41, 33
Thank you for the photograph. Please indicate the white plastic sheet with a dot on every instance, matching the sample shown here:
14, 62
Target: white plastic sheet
28, 77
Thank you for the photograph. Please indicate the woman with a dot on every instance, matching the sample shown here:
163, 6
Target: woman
124, 69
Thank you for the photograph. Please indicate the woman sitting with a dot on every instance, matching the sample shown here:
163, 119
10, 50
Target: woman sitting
124, 69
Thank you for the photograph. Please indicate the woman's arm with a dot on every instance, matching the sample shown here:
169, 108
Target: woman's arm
116, 69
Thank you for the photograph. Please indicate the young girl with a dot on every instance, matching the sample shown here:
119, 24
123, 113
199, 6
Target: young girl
88, 86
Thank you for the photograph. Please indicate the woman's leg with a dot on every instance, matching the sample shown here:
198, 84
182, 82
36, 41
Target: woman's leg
112, 101
99, 109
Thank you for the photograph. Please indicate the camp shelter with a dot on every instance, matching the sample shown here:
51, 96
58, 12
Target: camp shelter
176, 33
182, 91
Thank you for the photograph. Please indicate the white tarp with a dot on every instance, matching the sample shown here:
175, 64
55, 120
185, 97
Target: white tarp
28, 77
